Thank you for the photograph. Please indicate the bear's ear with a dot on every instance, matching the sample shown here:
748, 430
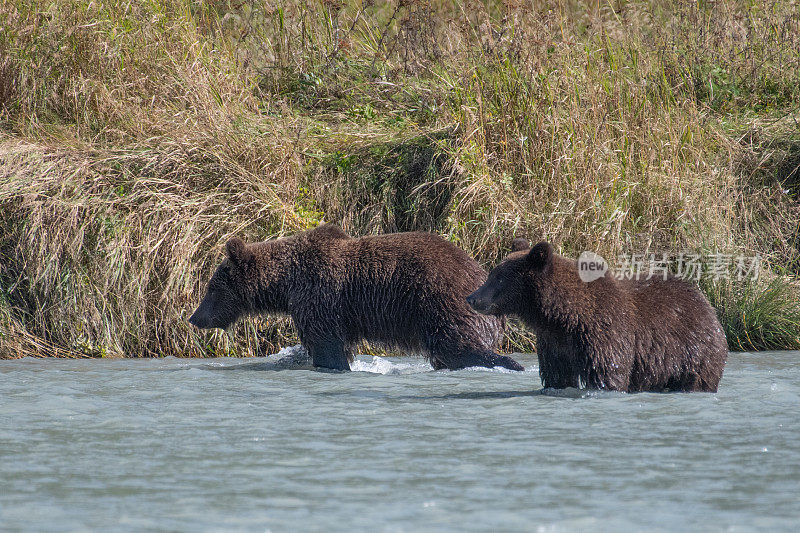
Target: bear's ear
520, 244
238, 252
328, 231
540, 255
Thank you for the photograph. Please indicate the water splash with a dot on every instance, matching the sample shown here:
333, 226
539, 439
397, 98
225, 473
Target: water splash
297, 357
381, 365
291, 357
500, 369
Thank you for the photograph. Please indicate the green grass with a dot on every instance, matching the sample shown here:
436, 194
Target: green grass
135, 139
758, 316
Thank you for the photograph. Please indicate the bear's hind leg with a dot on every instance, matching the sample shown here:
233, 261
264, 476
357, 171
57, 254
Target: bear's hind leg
506, 362
469, 358
690, 381
462, 345
330, 355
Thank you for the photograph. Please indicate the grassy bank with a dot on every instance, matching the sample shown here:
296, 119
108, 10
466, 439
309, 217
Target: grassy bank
136, 139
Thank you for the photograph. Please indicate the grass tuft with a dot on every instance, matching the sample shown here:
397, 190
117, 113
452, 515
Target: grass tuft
758, 316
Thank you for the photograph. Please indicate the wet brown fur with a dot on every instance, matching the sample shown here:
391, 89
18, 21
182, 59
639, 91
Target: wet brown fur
623, 335
403, 290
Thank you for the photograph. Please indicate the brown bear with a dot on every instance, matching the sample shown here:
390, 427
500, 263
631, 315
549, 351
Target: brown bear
402, 290
625, 335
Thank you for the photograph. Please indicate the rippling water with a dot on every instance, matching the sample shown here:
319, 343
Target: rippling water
231, 444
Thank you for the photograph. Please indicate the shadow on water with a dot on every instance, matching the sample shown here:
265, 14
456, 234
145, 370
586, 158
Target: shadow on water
288, 363
476, 395
575, 394
262, 366
276, 366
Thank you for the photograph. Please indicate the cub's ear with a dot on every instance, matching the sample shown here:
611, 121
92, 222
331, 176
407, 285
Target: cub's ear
328, 231
520, 244
540, 255
238, 252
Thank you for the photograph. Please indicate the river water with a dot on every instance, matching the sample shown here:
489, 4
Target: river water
266, 445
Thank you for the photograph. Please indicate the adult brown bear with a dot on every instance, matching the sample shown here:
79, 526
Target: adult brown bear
624, 335
402, 290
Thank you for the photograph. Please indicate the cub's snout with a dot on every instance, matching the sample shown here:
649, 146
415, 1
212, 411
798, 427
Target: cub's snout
479, 301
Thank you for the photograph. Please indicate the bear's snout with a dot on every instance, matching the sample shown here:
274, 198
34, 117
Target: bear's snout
472, 300
481, 304
198, 321
204, 316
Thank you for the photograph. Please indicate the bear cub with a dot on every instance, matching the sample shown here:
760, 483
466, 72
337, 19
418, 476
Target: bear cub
623, 335
402, 290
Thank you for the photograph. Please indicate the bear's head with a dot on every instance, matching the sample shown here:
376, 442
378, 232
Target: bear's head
226, 297
512, 286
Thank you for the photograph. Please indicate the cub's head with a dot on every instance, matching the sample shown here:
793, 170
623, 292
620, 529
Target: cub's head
511, 288
226, 296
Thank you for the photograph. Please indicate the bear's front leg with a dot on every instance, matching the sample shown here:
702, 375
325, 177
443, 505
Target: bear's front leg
331, 355
320, 335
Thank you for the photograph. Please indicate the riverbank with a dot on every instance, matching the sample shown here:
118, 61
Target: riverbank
135, 140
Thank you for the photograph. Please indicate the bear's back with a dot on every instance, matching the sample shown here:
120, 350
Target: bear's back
412, 261
418, 260
675, 327
397, 288
662, 302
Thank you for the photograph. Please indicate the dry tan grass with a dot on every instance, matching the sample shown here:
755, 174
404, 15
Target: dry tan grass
136, 139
